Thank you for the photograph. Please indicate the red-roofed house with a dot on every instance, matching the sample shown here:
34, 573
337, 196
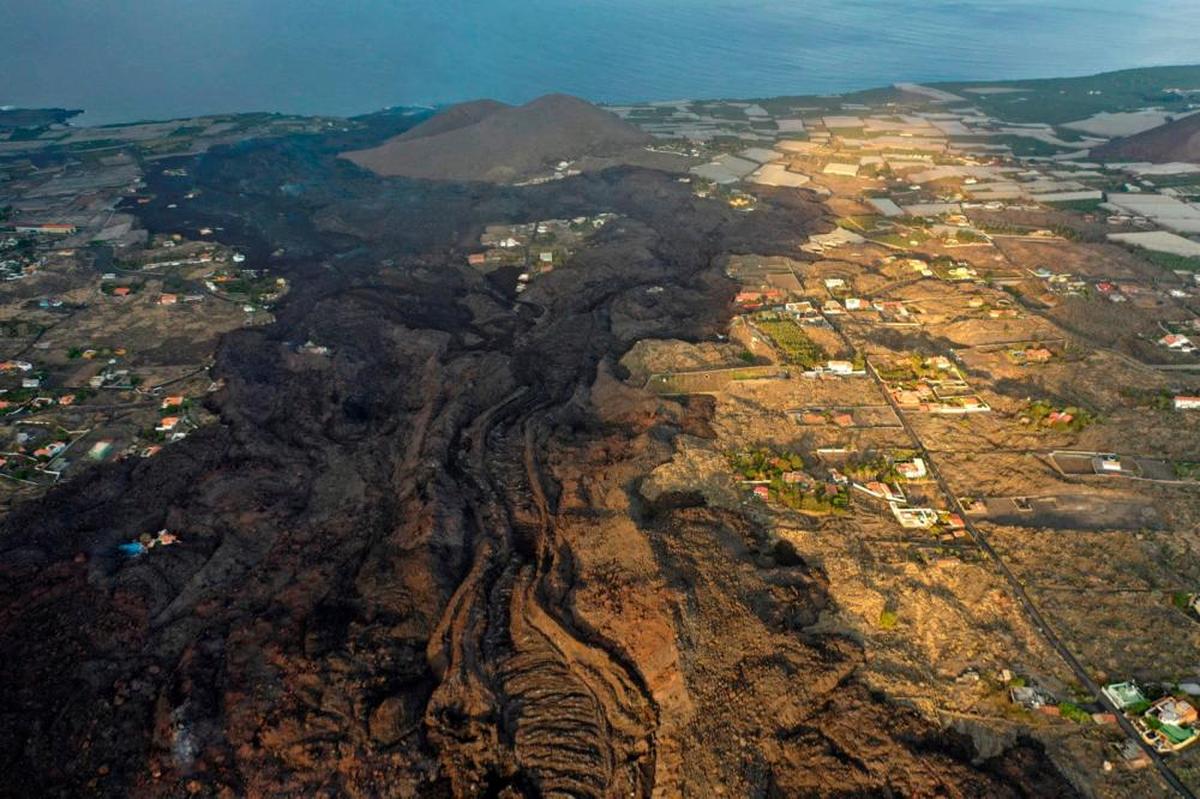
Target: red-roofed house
53, 228
1175, 341
797, 478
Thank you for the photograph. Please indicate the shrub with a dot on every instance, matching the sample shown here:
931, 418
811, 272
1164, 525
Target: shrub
1074, 712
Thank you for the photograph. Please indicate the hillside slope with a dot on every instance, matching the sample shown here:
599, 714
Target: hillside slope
455, 117
501, 144
1175, 141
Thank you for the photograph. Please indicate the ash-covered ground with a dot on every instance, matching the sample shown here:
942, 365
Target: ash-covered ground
420, 565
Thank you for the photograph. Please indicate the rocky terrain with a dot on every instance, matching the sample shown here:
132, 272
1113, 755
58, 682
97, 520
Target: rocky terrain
426, 564
491, 142
1178, 140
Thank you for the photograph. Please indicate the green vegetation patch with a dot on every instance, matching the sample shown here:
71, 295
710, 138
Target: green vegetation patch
966, 235
1187, 470
1080, 206
1060, 100
19, 328
914, 368
1138, 708
1042, 413
1026, 146
792, 341
864, 223
878, 467
1074, 712
1159, 400
1176, 263
783, 474
900, 239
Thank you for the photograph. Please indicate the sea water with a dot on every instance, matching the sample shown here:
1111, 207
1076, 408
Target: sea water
131, 59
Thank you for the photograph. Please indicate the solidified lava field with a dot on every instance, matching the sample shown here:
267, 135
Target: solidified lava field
420, 567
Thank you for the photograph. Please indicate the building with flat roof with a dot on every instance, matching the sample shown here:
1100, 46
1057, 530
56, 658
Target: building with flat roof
49, 228
1124, 694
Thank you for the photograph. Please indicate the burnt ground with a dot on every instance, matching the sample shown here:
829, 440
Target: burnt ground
391, 581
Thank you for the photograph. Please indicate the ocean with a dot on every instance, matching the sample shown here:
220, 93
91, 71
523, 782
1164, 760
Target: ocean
123, 60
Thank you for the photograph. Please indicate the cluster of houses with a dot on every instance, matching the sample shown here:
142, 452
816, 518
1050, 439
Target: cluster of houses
534, 247
562, 170
21, 389
1059, 284
21, 255
908, 516
172, 424
920, 178
1125, 292
35, 451
253, 285
228, 282
808, 312
1169, 723
777, 478
1065, 284
31, 455
16, 264
938, 388
111, 377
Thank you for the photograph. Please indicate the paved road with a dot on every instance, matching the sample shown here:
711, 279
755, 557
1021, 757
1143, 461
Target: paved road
1030, 609
1022, 596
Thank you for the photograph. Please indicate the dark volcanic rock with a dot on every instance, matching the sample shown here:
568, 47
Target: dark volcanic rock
1178, 140
385, 585
453, 118
482, 142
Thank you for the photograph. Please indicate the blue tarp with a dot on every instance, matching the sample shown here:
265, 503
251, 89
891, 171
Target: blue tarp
132, 549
